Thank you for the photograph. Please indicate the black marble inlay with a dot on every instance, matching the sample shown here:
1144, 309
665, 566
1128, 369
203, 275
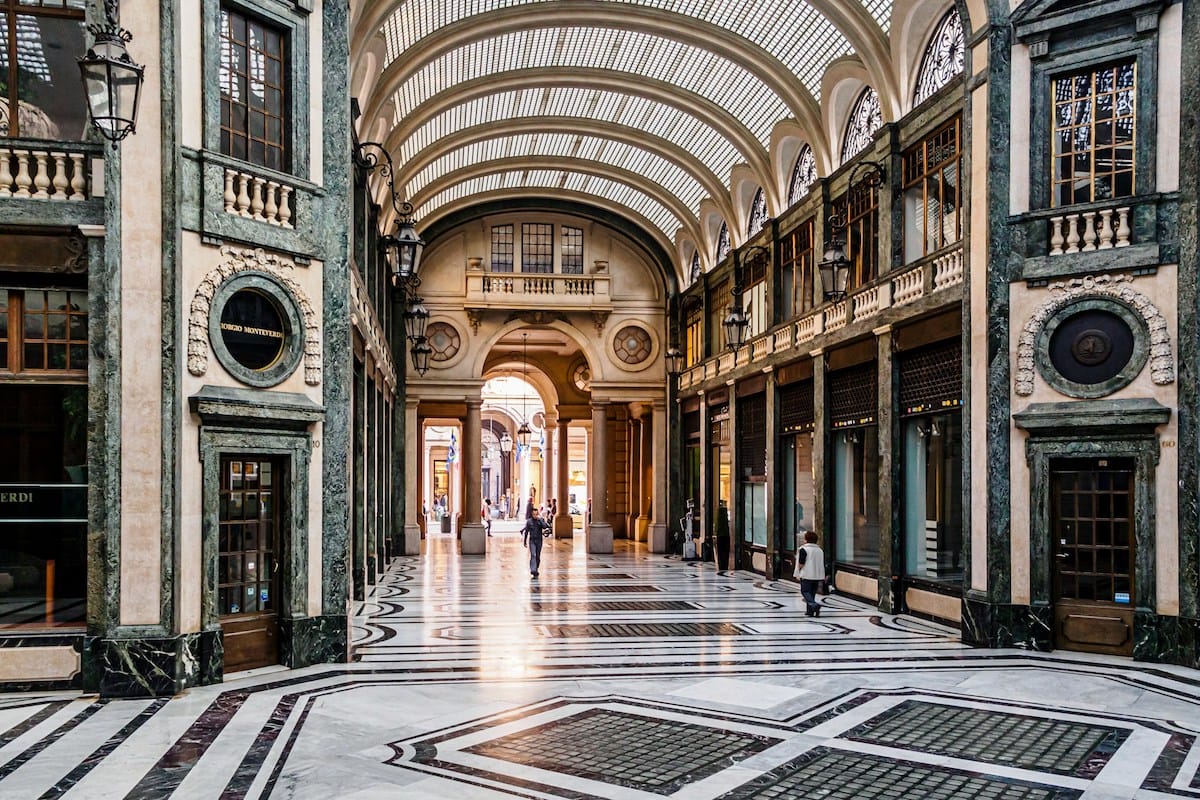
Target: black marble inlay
839, 775
314, 640
653, 629
615, 605
1044, 745
653, 755
583, 589
102, 752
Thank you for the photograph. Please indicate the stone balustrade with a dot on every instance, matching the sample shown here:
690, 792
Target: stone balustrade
1085, 231
761, 347
258, 198
783, 338
838, 315
515, 289
908, 286
948, 269
59, 174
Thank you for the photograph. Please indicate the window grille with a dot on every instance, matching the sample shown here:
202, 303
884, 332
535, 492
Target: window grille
804, 175
537, 247
723, 243
253, 94
796, 408
720, 299
853, 396
865, 119
752, 434
943, 59
796, 270
695, 270
758, 213
502, 248
931, 378
1094, 116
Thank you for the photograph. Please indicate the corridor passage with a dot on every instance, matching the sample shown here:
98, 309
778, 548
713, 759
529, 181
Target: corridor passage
625, 676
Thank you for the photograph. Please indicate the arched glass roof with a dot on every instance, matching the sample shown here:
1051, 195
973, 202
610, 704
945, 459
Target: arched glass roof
806, 42
637, 54
672, 178
593, 105
619, 193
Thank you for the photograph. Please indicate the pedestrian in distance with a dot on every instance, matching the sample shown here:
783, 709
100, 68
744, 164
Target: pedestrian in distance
532, 536
486, 514
810, 569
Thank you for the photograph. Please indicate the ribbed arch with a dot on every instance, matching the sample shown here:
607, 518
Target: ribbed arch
579, 127
718, 118
647, 198
539, 146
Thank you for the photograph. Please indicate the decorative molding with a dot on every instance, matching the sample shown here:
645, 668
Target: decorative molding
474, 317
535, 316
1117, 287
600, 318
250, 259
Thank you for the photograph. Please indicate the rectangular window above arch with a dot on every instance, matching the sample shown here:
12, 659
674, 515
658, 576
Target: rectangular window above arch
572, 250
1092, 147
537, 247
933, 192
502, 248
796, 262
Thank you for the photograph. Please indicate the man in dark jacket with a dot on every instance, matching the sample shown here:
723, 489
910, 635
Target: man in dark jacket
532, 536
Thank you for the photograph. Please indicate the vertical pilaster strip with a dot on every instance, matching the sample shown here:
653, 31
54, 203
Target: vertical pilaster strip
773, 493
635, 483
600, 532
704, 516
735, 485
472, 435
335, 449
889, 442
357, 483
566, 528
658, 507
646, 463
820, 447
409, 445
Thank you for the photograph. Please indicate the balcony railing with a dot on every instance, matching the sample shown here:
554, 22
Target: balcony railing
258, 198
1085, 231
56, 172
519, 290
936, 273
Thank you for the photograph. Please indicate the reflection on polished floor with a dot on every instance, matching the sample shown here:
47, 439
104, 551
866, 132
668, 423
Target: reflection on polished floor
626, 676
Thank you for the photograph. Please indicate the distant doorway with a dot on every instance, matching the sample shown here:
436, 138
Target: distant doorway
249, 554
1092, 554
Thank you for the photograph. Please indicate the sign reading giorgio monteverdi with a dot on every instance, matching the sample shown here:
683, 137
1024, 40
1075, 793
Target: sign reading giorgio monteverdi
253, 329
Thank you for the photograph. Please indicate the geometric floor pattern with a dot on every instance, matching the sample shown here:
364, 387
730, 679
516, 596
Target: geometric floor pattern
473, 680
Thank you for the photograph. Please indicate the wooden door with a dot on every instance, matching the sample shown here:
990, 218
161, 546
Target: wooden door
248, 560
1092, 554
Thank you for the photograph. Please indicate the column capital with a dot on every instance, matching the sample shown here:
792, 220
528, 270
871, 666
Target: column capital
600, 404
474, 402
882, 330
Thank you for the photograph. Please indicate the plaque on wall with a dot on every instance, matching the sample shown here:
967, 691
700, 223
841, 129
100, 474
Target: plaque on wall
252, 329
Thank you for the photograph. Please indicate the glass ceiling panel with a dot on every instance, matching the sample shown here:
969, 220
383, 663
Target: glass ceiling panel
806, 44
659, 119
658, 214
699, 71
665, 173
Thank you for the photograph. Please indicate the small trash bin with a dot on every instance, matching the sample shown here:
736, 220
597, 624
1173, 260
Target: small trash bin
445, 523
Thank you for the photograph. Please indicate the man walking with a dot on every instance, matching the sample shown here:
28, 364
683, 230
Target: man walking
532, 536
810, 569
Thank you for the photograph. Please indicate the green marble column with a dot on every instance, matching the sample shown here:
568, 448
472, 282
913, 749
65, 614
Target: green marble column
890, 554
773, 493
822, 494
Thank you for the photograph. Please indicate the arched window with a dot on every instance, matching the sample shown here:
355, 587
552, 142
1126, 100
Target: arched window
723, 242
695, 270
943, 57
804, 175
758, 213
865, 119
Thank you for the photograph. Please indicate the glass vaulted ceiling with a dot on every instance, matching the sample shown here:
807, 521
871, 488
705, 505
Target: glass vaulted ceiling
791, 30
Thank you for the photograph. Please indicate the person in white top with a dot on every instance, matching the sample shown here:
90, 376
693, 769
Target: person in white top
810, 569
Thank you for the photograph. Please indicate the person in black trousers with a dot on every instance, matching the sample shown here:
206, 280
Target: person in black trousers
532, 536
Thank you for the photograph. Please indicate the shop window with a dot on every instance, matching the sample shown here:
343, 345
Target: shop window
41, 95
758, 213
572, 250
933, 521
932, 192
856, 495
799, 502
943, 59
537, 247
804, 175
859, 207
43, 331
1093, 141
502, 248
796, 271
754, 296
254, 117
720, 299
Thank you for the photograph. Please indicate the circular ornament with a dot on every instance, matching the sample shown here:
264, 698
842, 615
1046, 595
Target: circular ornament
1092, 348
632, 344
443, 340
256, 329
581, 376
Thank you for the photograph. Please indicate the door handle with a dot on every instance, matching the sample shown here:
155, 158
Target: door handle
1062, 555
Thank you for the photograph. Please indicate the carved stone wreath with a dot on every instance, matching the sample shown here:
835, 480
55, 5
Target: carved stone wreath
632, 344
443, 340
1119, 287
244, 259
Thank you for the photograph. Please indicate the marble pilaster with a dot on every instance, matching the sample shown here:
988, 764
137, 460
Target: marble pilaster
773, 487
474, 534
889, 442
822, 490
645, 477
732, 546
600, 531
634, 525
412, 487
564, 525
659, 509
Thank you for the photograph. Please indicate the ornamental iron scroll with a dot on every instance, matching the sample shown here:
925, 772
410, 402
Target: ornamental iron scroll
247, 259
1117, 287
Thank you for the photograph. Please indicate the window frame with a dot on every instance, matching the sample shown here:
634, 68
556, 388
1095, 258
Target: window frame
791, 261
14, 341
1091, 73
537, 239
567, 236
510, 265
11, 9
282, 144
855, 250
293, 26
919, 180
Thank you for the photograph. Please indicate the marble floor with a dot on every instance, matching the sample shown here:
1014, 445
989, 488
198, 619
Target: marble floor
625, 676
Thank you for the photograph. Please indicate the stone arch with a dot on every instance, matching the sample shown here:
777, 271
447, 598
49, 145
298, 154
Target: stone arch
251, 259
587, 345
1117, 287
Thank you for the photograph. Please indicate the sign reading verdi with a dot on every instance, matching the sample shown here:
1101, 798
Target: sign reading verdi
32, 502
253, 329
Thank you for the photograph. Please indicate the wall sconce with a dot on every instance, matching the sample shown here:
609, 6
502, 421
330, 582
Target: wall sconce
835, 265
674, 357
112, 82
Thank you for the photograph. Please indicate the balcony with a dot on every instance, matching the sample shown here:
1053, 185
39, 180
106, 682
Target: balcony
930, 277
518, 290
57, 172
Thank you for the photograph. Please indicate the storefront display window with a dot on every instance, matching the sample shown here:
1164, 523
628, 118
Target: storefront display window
932, 472
856, 495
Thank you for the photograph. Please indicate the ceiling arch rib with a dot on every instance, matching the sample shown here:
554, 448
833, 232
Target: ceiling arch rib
579, 109
606, 154
575, 126
621, 185
717, 117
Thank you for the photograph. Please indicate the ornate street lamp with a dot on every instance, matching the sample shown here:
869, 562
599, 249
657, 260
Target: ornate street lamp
523, 432
735, 325
421, 351
506, 444
835, 267
674, 361
112, 81
416, 320
402, 251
